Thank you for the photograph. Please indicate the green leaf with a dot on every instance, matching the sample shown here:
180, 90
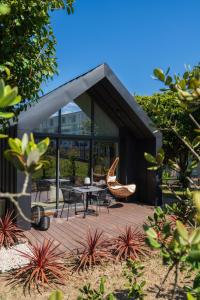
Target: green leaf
190, 297
153, 243
194, 255
101, 287
158, 73
33, 158
151, 232
16, 159
43, 146
24, 142
3, 136
6, 115
168, 80
10, 98
194, 237
150, 158
182, 230
56, 295
2, 85
4, 9
154, 168
15, 144
196, 142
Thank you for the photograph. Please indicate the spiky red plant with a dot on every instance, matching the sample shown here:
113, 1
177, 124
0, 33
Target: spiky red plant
10, 234
130, 243
93, 251
45, 268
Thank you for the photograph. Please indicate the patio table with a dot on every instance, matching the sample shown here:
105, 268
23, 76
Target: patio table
53, 180
85, 190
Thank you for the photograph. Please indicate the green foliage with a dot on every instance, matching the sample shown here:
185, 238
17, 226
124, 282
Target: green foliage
28, 44
186, 87
165, 111
8, 99
56, 295
133, 272
156, 161
25, 154
193, 293
89, 293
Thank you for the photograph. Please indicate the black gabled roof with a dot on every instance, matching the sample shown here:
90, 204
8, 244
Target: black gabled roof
111, 95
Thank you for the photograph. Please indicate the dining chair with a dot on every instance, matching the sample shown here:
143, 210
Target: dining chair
70, 198
42, 186
102, 200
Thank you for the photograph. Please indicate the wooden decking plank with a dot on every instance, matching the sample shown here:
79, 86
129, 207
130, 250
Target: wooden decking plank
67, 233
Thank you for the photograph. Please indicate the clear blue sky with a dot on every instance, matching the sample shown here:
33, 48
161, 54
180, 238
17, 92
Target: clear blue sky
132, 36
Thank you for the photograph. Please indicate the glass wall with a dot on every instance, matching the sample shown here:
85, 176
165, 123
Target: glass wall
104, 153
76, 116
78, 149
74, 161
50, 125
103, 125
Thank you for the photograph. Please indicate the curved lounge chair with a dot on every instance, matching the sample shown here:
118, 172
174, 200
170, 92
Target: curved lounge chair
117, 189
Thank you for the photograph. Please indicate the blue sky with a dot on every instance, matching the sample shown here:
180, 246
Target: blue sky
132, 36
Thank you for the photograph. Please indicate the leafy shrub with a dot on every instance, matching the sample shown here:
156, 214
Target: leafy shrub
95, 294
94, 251
10, 234
45, 267
129, 244
133, 272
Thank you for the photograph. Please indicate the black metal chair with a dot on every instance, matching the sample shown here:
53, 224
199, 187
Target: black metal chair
42, 186
102, 200
70, 198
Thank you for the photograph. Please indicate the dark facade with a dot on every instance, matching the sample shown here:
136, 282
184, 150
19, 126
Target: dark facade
95, 116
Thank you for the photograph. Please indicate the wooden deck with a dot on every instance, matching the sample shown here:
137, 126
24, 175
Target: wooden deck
67, 233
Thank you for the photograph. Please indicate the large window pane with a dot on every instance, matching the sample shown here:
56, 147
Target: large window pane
104, 154
74, 161
76, 116
49, 126
103, 125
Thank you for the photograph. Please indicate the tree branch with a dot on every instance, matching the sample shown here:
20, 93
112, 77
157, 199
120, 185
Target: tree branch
194, 121
13, 197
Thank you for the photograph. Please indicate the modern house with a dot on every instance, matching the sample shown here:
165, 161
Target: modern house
90, 120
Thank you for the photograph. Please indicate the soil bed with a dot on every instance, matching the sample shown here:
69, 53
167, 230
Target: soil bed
115, 281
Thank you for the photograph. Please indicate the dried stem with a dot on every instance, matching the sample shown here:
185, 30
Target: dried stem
175, 281
13, 197
165, 278
172, 191
194, 121
186, 144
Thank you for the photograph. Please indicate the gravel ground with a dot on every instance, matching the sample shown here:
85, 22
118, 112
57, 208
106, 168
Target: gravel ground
11, 259
115, 281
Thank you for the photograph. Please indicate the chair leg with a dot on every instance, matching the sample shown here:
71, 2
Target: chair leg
97, 208
68, 212
36, 196
75, 207
62, 210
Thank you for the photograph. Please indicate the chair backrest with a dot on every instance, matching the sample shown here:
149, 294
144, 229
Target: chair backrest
76, 196
103, 194
66, 194
42, 185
